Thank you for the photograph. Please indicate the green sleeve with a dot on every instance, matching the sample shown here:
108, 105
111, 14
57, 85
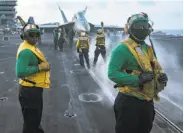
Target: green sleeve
118, 61
54, 34
23, 69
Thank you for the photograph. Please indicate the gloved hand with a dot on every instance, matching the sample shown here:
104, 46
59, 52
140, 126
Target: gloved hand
145, 77
44, 66
80, 50
102, 24
163, 78
98, 47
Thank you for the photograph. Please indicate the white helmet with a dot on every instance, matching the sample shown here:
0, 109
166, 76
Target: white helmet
99, 31
83, 33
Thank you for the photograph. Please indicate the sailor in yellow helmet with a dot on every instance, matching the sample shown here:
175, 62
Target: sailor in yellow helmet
138, 76
33, 71
100, 46
82, 45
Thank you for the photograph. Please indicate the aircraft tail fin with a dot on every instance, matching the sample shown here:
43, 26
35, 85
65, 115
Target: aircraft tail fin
63, 15
85, 9
21, 20
31, 20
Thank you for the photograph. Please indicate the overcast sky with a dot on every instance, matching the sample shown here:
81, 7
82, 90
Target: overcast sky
166, 14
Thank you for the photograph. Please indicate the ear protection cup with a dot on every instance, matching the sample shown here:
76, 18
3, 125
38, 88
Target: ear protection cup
37, 27
22, 36
127, 27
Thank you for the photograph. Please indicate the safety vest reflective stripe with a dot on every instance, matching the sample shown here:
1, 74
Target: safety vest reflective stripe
101, 36
83, 38
101, 44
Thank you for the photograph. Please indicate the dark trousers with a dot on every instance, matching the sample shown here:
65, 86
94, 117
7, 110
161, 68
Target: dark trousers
98, 51
71, 42
55, 43
31, 102
133, 115
60, 44
84, 54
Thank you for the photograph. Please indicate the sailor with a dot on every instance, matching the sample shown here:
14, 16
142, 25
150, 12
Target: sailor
70, 37
33, 71
138, 76
60, 39
100, 46
82, 45
55, 37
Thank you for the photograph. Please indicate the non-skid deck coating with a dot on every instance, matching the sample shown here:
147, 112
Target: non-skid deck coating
64, 111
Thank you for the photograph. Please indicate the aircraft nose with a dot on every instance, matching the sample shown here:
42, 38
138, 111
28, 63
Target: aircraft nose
84, 26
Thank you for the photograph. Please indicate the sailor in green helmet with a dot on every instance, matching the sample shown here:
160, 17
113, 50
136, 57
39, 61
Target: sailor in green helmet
138, 77
33, 71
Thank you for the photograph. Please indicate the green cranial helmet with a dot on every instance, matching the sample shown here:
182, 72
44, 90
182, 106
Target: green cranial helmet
31, 28
31, 33
139, 26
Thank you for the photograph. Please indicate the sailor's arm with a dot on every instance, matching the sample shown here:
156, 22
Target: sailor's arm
117, 61
104, 40
54, 34
22, 65
88, 43
77, 44
96, 37
65, 37
103, 32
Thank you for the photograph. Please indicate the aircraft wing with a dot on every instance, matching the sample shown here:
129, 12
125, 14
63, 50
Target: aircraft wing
109, 28
114, 28
42, 26
48, 26
67, 25
91, 25
106, 27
